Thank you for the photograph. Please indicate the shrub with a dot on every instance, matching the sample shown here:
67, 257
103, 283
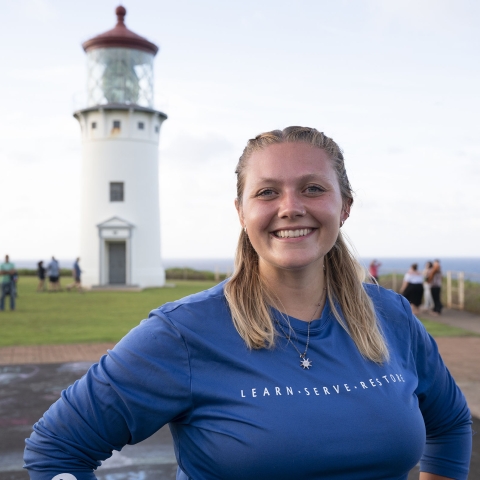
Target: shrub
27, 272
178, 273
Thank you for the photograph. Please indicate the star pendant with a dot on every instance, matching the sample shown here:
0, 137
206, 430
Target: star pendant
305, 363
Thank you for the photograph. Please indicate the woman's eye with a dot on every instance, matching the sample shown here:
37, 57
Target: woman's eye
266, 193
314, 189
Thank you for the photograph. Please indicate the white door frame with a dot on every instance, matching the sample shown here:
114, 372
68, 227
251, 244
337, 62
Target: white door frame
115, 230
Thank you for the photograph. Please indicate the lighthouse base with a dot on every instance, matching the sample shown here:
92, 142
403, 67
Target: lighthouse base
116, 288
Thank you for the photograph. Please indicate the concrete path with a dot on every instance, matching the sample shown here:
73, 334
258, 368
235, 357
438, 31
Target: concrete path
40, 354
26, 392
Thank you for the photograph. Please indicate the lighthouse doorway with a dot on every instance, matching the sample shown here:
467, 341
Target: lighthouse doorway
115, 252
117, 263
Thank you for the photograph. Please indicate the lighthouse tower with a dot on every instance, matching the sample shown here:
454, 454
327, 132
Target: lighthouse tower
120, 217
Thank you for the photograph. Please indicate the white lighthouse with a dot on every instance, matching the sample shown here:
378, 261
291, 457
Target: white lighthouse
120, 216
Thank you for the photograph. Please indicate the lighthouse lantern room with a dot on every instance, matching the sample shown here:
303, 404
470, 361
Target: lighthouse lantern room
120, 215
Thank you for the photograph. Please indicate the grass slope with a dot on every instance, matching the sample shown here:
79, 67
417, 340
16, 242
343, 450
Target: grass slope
440, 330
70, 317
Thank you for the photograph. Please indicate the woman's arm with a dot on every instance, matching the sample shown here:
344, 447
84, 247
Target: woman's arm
444, 408
141, 385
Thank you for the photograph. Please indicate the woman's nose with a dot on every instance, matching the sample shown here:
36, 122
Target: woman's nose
291, 206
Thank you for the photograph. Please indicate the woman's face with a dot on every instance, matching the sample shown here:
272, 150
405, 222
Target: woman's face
291, 205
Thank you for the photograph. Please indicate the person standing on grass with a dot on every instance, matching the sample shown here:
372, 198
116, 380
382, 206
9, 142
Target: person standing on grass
76, 274
427, 294
54, 274
373, 269
412, 288
291, 368
7, 272
41, 276
435, 281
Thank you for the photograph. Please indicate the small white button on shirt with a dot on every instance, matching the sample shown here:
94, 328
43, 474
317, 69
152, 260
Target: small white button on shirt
64, 476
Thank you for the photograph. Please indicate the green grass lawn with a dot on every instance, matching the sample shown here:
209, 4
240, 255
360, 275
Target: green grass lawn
70, 317
440, 330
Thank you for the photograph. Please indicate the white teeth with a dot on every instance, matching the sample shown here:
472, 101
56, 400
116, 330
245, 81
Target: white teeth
293, 233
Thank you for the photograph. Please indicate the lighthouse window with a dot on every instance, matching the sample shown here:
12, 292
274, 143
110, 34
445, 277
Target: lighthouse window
157, 128
141, 125
116, 191
94, 125
116, 124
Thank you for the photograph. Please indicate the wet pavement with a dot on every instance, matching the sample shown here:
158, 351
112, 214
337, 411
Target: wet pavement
26, 391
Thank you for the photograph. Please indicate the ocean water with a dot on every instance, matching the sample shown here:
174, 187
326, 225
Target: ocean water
469, 265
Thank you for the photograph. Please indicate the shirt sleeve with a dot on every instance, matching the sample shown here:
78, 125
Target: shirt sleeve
142, 384
443, 406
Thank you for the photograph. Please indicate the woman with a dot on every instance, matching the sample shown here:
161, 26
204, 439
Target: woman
292, 368
427, 294
412, 288
435, 281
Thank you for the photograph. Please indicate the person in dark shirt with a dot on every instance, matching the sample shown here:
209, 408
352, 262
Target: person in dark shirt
41, 270
8, 279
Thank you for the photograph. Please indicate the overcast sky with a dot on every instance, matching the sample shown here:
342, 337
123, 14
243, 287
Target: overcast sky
395, 82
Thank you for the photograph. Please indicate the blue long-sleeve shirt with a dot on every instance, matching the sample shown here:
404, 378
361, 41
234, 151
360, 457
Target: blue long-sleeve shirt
246, 414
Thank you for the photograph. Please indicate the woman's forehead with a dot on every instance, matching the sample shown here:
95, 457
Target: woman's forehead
287, 160
287, 148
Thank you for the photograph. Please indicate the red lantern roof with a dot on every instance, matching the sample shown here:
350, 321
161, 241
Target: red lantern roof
120, 37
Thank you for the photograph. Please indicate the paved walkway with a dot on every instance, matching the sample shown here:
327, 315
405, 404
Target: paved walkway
461, 354
34, 354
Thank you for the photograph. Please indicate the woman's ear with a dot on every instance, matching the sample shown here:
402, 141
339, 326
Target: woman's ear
239, 212
346, 211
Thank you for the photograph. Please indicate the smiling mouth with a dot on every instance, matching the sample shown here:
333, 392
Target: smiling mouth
292, 233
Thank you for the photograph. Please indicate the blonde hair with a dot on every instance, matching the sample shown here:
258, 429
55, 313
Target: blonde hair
248, 297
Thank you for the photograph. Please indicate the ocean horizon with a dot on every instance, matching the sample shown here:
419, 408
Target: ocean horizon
469, 265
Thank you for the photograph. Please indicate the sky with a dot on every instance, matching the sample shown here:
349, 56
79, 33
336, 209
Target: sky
394, 82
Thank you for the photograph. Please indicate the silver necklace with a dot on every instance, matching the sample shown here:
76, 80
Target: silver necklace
305, 362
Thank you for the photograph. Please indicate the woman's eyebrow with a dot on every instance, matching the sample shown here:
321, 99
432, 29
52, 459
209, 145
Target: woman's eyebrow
304, 178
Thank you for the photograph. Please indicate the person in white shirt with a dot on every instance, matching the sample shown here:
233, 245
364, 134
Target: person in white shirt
427, 294
412, 288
